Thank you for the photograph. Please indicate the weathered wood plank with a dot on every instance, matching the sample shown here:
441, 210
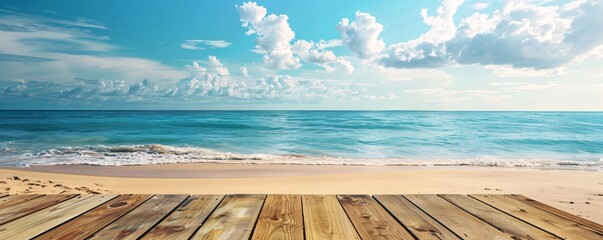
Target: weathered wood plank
94, 220
558, 212
34, 205
370, 219
36, 223
12, 200
138, 221
458, 221
324, 218
561, 227
500, 220
281, 218
233, 219
186, 219
418, 222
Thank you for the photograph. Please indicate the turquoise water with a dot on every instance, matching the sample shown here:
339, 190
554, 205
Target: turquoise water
302, 137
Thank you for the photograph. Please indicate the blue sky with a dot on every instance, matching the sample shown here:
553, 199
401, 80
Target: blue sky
418, 55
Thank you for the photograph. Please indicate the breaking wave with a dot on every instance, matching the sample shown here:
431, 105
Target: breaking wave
162, 154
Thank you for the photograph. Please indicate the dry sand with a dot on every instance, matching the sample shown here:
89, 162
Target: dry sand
575, 191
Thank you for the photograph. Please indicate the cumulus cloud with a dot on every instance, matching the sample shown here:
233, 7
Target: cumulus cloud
273, 35
427, 50
520, 35
196, 44
207, 81
318, 54
362, 35
214, 80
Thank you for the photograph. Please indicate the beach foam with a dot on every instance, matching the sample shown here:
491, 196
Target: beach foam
163, 154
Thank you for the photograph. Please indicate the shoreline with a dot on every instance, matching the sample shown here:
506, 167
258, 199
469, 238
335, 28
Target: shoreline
253, 170
579, 192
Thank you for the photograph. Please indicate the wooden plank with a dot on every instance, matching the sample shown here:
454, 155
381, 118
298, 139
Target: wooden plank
414, 219
561, 227
36, 223
94, 220
500, 220
281, 218
186, 219
458, 221
138, 221
14, 212
233, 219
324, 218
558, 212
12, 200
370, 219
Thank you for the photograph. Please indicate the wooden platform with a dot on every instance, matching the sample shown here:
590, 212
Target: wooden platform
137, 216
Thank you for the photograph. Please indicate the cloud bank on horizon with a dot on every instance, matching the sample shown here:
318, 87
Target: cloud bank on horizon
516, 54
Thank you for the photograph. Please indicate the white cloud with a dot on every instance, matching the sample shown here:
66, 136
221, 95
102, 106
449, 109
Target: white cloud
520, 35
446, 96
481, 6
22, 34
207, 81
194, 44
362, 35
322, 44
389, 96
45, 49
523, 86
77, 22
244, 71
274, 38
273, 35
427, 49
507, 71
316, 53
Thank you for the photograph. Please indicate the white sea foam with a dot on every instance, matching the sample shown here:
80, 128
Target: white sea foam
162, 154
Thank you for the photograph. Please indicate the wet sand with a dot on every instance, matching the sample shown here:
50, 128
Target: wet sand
578, 192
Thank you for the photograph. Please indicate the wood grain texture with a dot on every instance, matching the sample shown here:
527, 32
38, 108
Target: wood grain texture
186, 219
281, 218
458, 221
549, 222
324, 218
11, 213
36, 223
558, 212
418, 222
138, 221
370, 219
514, 227
12, 200
233, 219
97, 218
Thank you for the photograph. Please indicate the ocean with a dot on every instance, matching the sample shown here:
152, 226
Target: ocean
514, 139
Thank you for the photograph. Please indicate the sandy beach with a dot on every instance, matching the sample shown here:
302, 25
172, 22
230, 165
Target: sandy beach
578, 192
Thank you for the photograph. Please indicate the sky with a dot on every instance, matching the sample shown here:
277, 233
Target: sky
307, 55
